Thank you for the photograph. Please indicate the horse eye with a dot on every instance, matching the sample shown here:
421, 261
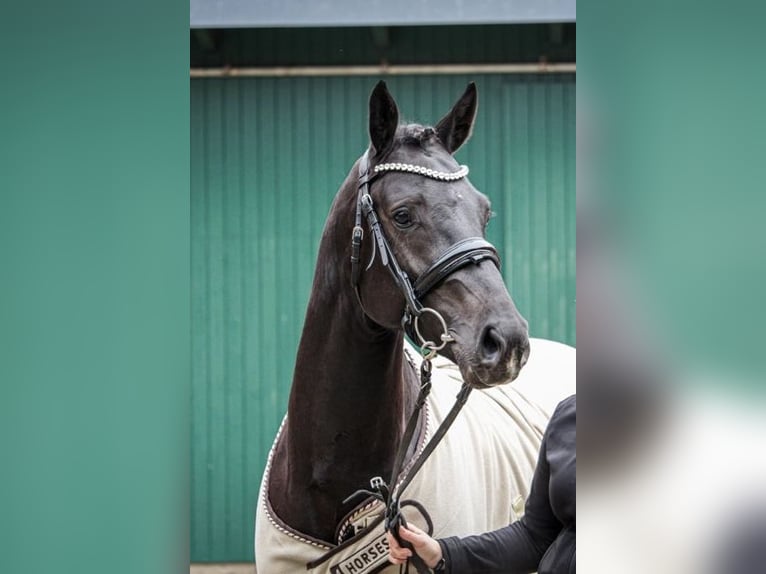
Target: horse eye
402, 217
490, 215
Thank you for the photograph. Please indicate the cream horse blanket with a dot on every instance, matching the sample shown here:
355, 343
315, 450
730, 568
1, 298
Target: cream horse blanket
476, 480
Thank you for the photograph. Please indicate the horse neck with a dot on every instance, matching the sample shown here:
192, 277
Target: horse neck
349, 396
346, 404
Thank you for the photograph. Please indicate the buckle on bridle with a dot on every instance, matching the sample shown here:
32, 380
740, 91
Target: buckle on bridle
357, 235
377, 482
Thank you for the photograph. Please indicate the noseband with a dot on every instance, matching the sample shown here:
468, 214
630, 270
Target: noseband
466, 251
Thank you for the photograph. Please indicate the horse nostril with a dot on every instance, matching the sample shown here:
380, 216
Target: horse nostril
492, 346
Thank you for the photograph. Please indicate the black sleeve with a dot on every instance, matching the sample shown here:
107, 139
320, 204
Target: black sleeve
518, 547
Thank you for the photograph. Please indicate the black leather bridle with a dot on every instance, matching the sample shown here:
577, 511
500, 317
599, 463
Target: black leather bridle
464, 252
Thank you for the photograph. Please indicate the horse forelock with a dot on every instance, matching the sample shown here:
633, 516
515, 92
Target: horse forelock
414, 134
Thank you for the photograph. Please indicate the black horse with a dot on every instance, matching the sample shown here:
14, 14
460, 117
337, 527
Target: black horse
353, 388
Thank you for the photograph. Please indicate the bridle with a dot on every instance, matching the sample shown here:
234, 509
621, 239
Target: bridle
464, 252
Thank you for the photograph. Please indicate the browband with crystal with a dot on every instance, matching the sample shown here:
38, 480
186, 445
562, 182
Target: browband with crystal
420, 170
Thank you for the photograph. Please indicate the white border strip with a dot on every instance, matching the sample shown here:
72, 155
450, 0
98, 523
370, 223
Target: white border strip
414, 70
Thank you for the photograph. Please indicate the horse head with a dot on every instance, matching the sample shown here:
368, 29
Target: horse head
423, 213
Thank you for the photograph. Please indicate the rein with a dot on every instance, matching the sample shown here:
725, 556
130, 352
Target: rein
470, 250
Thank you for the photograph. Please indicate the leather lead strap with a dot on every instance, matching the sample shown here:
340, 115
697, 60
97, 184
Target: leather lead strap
462, 397
393, 492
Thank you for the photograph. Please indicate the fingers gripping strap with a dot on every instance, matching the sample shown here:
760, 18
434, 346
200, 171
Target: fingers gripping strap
398, 519
470, 250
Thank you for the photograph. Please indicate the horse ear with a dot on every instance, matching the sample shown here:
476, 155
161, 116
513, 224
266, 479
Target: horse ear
455, 128
384, 119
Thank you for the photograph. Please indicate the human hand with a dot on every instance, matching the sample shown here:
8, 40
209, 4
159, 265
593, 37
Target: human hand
425, 546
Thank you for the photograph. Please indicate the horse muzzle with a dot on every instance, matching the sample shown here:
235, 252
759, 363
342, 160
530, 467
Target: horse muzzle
501, 351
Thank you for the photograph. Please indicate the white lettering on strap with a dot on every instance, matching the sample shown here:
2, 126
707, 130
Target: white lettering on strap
365, 559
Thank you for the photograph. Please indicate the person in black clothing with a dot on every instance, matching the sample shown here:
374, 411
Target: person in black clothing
542, 541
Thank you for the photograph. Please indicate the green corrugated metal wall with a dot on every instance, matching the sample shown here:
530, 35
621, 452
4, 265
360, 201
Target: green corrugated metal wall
267, 157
